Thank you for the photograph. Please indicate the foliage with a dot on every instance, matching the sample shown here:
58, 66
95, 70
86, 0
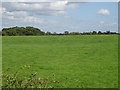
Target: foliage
31, 31
32, 81
0, 33
21, 31
66, 33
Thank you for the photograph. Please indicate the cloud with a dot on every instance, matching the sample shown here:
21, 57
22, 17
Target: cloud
60, 0
22, 21
29, 0
46, 0
102, 22
11, 15
51, 8
23, 13
58, 5
2, 10
104, 12
31, 19
11, 18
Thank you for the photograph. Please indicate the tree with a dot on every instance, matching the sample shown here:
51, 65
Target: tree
0, 33
21, 31
48, 33
94, 32
99, 32
107, 32
54, 33
66, 33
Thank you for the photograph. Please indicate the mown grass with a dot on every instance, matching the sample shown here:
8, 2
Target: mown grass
87, 61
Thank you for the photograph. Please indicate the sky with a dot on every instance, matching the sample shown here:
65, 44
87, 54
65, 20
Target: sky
60, 16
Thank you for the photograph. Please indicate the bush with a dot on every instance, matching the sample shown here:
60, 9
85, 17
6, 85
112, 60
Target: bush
15, 81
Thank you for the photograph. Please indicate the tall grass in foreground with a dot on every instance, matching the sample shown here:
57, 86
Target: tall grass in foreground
33, 81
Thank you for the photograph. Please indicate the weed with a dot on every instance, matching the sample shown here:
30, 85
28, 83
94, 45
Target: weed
14, 81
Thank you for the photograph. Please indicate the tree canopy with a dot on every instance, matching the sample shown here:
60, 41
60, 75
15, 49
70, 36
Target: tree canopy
32, 31
21, 31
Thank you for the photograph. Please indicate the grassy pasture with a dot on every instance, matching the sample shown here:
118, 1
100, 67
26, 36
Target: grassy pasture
87, 61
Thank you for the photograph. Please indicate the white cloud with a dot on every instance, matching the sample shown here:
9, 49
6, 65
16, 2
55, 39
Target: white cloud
102, 22
18, 18
51, 8
58, 5
32, 19
115, 23
104, 12
2, 10
28, 13
22, 21
25, 14
67, 16
61, 0
29, 0
12, 15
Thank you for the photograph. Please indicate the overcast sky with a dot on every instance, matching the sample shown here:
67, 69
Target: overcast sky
61, 16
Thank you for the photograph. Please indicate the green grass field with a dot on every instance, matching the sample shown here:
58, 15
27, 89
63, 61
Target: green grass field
86, 61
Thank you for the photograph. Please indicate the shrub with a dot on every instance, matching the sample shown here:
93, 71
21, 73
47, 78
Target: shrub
15, 81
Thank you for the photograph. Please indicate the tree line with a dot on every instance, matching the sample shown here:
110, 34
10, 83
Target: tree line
32, 31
